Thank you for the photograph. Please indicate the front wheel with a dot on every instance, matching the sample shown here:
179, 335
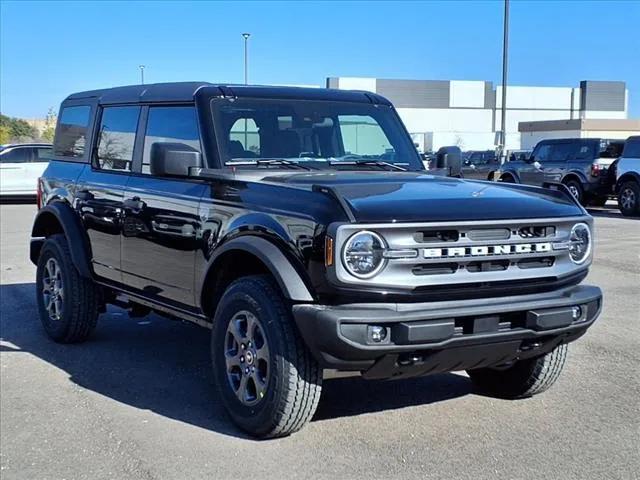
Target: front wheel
524, 378
268, 380
629, 199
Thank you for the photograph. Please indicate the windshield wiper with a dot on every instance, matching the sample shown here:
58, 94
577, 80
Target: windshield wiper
269, 161
366, 161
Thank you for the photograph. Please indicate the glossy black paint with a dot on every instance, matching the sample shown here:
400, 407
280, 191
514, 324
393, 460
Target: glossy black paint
160, 238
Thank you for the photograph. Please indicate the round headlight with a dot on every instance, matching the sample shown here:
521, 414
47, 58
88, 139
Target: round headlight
580, 243
363, 254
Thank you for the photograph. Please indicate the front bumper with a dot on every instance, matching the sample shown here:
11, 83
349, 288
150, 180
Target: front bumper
448, 335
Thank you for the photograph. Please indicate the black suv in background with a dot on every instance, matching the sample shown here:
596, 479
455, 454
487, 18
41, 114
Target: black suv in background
480, 165
579, 163
300, 227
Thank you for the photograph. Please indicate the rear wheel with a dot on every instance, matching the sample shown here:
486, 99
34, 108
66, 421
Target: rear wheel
524, 378
67, 302
576, 190
629, 199
268, 380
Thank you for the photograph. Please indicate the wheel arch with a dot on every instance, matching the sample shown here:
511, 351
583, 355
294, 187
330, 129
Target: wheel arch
58, 217
574, 175
248, 255
627, 177
509, 173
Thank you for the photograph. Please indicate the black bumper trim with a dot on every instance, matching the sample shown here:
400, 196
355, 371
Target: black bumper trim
338, 335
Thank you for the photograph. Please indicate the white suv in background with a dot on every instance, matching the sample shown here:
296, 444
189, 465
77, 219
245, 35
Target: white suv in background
20, 167
628, 178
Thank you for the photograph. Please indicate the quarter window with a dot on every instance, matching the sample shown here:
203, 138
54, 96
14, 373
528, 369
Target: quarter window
170, 124
117, 138
71, 136
42, 154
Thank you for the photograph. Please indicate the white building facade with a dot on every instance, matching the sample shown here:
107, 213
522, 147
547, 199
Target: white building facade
468, 113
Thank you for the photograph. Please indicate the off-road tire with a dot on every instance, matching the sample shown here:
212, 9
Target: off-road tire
633, 189
523, 379
294, 382
579, 191
81, 296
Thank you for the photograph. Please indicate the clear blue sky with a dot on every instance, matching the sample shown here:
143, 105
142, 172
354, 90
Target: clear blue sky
50, 49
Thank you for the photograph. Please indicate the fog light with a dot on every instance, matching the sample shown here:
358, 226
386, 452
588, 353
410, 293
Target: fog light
377, 333
576, 312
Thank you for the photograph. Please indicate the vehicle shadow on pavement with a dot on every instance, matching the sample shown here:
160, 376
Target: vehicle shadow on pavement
160, 365
605, 212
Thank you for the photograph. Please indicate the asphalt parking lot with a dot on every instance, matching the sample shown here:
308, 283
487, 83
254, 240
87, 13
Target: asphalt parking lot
137, 400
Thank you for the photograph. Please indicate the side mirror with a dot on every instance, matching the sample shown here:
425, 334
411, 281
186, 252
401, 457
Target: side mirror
173, 159
450, 158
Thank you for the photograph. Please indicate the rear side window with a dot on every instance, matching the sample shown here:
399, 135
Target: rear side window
561, 152
632, 148
586, 151
16, 155
71, 136
117, 137
173, 125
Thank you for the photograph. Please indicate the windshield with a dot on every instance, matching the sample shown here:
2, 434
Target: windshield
317, 134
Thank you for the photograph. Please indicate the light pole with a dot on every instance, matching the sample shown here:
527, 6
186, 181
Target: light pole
246, 57
246, 80
505, 61
141, 67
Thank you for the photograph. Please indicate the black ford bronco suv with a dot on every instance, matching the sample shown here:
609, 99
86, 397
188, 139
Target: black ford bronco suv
299, 226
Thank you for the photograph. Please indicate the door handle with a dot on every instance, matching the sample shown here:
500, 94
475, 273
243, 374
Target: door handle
134, 204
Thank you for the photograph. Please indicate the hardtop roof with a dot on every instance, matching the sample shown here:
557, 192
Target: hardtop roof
186, 92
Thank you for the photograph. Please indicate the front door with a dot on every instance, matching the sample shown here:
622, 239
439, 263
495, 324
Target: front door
532, 171
161, 224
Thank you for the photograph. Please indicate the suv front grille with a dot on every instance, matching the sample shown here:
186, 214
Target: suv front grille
469, 254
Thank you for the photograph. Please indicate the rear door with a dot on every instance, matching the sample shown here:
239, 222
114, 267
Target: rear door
161, 223
13, 168
101, 186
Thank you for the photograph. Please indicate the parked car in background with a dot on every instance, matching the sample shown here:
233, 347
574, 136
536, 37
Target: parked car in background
579, 163
480, 165
20, 167
627, 186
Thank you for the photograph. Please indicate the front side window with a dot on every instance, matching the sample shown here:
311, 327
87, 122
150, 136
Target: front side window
117, 137
71, 135
542, 153
170, 124
316, 134
16, 155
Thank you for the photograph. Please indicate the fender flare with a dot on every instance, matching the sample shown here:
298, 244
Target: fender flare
513, 173
291, 283
73, 231
574, 173
627, 176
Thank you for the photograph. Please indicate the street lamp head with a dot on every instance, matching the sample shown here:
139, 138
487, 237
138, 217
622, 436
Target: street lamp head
140, 67
246, 35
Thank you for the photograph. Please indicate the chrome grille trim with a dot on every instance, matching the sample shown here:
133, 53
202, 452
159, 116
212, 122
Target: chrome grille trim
403, 238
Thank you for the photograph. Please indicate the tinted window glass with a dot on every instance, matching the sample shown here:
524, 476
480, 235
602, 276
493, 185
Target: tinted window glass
632, 148
585, 152
542, 153
561, 152
16, 155
116, 138
71, 135
611, 149
171, 124
42, 154
362, 135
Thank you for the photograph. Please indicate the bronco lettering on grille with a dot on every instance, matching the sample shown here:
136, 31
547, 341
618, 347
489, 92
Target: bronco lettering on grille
487, 250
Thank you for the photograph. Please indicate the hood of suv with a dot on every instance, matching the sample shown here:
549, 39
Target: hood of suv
413, 196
